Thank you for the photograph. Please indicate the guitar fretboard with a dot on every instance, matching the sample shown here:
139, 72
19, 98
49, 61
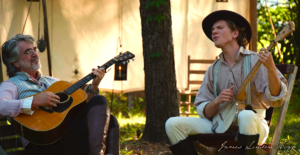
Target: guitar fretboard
87, 78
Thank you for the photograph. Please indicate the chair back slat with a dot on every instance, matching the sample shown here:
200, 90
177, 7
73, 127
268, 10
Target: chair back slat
285, 68
9, 140
2, 119
17, 153
11, 143
6, 131
269, 113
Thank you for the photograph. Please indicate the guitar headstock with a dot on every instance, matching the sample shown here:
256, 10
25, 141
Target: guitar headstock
124, 57
287, 30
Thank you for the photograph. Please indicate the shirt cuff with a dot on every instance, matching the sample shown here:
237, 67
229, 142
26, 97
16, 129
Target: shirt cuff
27, 106
282, 93
200, 109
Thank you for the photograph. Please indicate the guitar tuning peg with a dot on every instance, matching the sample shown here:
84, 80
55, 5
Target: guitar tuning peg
128, 61
132, 59
124, 62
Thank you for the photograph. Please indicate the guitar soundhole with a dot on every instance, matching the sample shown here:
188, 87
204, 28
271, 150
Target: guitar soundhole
65, 102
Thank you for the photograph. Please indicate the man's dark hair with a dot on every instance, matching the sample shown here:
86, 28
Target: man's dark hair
241, 39
11, 53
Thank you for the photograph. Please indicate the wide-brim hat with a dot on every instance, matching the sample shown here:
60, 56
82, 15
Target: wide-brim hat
237, 19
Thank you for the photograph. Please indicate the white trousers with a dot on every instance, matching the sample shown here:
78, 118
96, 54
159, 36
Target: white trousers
179, 128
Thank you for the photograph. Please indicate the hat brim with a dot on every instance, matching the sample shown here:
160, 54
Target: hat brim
239, 20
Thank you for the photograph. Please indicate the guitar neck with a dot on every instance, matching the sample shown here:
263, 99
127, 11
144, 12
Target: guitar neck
87, 78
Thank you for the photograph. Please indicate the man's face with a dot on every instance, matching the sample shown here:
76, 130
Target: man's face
29, 58
222, 35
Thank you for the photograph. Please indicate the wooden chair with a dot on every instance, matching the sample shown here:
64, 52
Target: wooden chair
190, 82
190, 72
217, 139
10, 143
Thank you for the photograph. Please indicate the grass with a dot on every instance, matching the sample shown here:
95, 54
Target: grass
128, 130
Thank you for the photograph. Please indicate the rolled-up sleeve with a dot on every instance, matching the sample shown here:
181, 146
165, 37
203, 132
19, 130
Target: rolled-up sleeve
262, 87
27, 106
276, 101
205, 93
200, 109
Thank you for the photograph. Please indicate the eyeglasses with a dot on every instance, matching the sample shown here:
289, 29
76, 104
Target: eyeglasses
30, 51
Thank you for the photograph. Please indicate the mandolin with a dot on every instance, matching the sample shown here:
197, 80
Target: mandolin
47, 125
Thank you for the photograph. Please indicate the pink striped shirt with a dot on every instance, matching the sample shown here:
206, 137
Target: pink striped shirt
10, 106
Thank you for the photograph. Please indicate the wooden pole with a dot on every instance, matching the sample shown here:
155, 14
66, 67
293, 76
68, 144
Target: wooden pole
46, 33
280, 55
253, 22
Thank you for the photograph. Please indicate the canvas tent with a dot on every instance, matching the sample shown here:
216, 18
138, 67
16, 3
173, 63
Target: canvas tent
89, 32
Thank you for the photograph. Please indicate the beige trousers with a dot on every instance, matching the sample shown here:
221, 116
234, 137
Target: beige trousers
250, 123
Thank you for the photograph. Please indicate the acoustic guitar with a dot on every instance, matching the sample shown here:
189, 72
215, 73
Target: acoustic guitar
227, 115
47, 125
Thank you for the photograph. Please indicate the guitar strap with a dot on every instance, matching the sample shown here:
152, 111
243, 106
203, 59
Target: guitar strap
247, 68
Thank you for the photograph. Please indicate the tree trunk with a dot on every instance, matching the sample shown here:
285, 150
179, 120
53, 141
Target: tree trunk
160, 80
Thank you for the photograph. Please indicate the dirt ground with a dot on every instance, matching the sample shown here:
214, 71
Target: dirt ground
140, 147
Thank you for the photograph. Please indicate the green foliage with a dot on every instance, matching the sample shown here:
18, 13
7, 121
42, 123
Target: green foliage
157, 54
117, 103
156, 2
149, 18
281, 12
159, 18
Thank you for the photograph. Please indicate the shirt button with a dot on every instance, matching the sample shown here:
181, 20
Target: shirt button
40, 86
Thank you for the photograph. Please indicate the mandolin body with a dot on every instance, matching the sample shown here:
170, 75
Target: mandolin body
45, 128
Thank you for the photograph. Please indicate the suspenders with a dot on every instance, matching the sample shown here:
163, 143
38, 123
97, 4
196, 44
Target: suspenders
246, 67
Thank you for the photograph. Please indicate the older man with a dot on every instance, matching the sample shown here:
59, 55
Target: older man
231, 33
86, 135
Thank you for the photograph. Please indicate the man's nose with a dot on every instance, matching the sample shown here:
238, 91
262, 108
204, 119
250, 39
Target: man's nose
34, 54
214, 31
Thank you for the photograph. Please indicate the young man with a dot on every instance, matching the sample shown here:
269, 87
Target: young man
87, 134
231, 33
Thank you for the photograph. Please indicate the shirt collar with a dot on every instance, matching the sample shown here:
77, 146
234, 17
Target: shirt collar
242, 51
30, 77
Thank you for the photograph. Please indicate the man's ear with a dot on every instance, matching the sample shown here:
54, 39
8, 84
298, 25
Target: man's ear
16, 64
235, 34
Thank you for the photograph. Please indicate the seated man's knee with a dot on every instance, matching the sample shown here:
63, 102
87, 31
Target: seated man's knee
246, 116
171, 123
113, 123
98, 99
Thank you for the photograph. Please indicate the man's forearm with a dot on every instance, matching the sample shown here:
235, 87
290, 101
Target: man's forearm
211, 109
274, 82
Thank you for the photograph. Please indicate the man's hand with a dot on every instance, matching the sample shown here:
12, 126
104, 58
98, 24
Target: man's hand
225, 96
274, 82
266, 58
99, 76
45, 99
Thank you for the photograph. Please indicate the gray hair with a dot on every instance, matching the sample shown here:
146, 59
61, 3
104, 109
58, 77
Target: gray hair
11, 52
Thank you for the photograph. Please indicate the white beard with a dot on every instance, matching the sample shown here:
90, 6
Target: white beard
31, 66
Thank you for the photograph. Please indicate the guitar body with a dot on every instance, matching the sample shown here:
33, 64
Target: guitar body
43, 127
